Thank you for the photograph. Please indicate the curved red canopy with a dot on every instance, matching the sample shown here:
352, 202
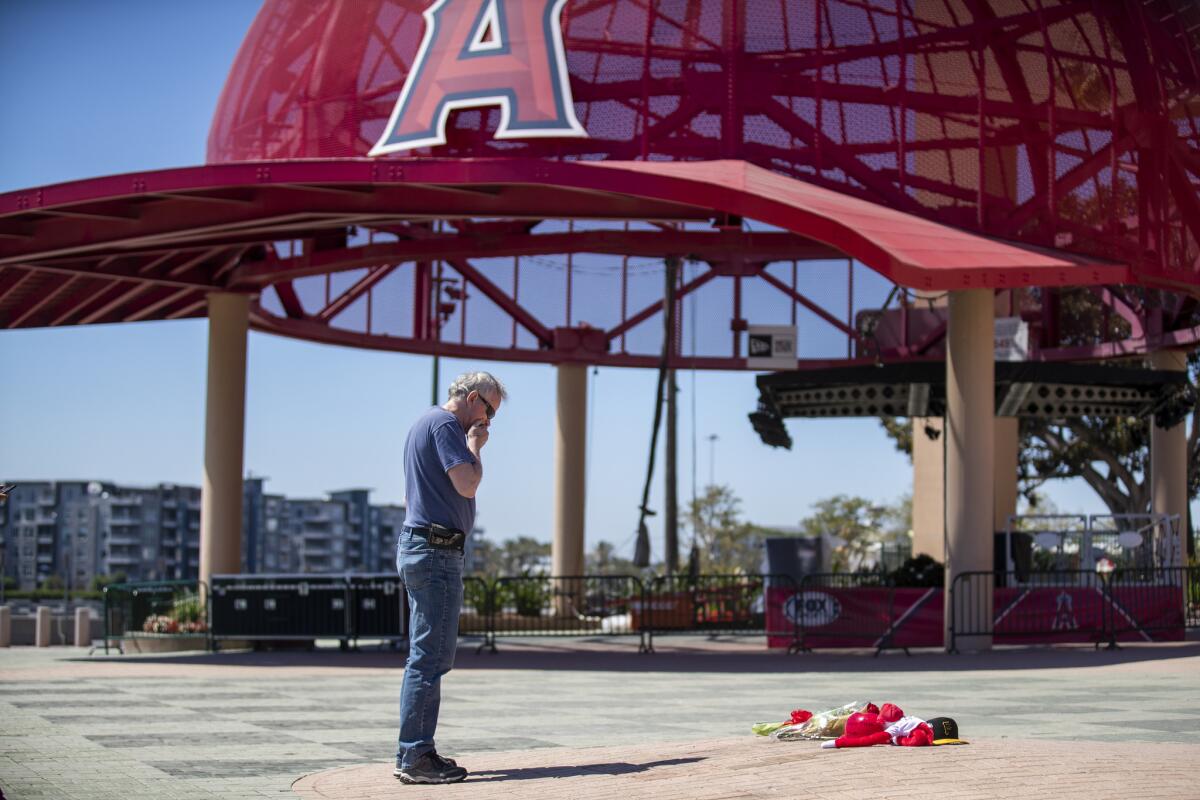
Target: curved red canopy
151, 245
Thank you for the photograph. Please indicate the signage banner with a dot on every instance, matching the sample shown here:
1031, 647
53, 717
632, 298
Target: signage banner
1012, 339
771, 347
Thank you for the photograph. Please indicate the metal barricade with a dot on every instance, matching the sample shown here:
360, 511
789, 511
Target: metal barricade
378, 607
478, 609
717, 605
1150, 604
281, 608
566, 605
847, 609
153, 609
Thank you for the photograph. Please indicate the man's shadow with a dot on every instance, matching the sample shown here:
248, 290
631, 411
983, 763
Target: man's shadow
538, 773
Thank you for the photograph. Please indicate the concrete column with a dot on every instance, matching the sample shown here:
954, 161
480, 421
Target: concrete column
929, 485
1168, 460
83, 627
570, 443
41, 632
1006, 449
5, 626
970, 411
929, 489
224, 432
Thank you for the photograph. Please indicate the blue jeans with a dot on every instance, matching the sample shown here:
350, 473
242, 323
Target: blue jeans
433, 580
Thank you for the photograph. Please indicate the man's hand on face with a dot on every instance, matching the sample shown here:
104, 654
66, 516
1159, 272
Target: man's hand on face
477, 437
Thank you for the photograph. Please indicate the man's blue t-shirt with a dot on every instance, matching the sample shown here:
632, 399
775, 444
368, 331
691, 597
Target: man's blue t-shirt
435, 444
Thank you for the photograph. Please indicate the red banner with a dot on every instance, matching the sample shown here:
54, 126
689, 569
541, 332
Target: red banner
878, 617
868, 617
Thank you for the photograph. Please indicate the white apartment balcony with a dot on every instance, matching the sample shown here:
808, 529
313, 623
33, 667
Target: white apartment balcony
123, 559
123, 540
47, 540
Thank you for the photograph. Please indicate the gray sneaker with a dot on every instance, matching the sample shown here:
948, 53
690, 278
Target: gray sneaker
431, 768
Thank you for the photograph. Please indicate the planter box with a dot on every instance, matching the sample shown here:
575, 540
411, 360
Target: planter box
164, 642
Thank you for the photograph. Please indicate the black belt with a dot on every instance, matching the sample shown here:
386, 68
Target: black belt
440, 537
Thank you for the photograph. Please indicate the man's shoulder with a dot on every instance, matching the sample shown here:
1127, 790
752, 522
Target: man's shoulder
434, 418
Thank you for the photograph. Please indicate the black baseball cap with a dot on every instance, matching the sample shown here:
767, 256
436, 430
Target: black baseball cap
945, 731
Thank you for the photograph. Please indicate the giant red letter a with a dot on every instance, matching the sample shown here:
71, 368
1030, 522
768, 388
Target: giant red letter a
484, 53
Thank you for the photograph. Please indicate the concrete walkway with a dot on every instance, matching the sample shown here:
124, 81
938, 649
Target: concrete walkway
537, 719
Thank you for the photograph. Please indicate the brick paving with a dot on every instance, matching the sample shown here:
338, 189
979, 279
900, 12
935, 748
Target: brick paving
584, 720
988, 769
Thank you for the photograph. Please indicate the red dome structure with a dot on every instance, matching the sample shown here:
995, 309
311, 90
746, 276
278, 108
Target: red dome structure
943, 143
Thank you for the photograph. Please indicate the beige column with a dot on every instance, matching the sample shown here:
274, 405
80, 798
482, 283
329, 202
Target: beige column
5, 626
970, 409
224, 431
570, 443
1005, 448
929, 488
1168, 460
41, 630
83, 627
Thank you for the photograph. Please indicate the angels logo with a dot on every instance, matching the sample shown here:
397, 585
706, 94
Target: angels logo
506, 53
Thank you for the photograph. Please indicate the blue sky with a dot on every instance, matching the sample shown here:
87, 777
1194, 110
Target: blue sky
99, 88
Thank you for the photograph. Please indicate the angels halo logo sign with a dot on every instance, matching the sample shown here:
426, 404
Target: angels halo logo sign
506, 53
812, 609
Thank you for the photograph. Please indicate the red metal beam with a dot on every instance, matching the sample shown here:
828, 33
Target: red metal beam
809, 304
704, 245
122, 294
37, 301
289, 300
493, 292
654, 308
1071, 180
348, 297
166, 298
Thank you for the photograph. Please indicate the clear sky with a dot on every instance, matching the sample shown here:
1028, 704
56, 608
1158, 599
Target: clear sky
94, 88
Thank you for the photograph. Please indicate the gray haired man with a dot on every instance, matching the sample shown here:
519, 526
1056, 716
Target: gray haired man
442, 471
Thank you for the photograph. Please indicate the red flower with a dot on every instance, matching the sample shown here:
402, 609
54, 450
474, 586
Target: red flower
800, 715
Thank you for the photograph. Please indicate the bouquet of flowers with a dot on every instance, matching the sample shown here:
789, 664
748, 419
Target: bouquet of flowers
827, 724
158, 623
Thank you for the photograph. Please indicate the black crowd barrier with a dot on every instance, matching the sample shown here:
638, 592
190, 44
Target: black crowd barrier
1146, 604
309, 607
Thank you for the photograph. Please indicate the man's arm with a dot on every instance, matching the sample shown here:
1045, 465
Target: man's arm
466, 477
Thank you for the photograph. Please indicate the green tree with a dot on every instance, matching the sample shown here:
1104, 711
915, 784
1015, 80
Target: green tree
726, 543
603, 560
522, 554
854, 524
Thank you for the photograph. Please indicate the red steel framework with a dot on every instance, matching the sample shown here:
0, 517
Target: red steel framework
1031, 146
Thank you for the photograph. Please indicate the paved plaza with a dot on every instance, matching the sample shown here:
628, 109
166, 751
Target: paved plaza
590, 720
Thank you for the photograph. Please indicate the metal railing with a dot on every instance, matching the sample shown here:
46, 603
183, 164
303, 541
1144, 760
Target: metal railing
717, 605
153, 609
564, 605
1147, 604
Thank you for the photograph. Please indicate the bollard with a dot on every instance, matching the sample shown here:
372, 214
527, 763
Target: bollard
5, 626
83, 627
42, 636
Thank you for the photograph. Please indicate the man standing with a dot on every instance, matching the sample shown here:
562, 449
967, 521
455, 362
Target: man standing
442, 471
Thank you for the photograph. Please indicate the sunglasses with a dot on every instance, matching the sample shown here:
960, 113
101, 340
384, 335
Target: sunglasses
487, 407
